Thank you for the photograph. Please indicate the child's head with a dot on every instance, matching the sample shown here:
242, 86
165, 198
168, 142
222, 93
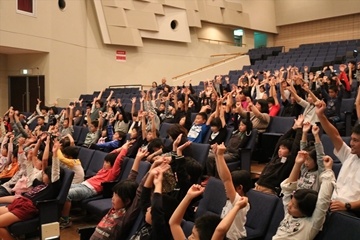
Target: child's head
94, 126
175, 130
194, 169
262, 106
162, 107
271, 101
134, 132
242, 181
4, 150
15, 154
99, 103
156, 144
109, 161
333, 91
200, 118
66, 123
310, 162
246, 125
204, 227
216, 125
124, 194
71, 152
119, 135
77, 113
135, 117
169, 204
44, 110
53, 110
310, 99
40, 120
303, 203
154, 84
285, 147
104, 133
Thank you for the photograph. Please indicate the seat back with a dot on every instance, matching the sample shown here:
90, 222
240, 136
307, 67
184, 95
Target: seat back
200, 152
76, 133
82, 136
228, 135
96, 163
210, 204
143, 169
252, 141
187, 227
329, 150
85, 155
163, 128
277, 217
261, 204
280, 124
340, 226
347, 105
65, 186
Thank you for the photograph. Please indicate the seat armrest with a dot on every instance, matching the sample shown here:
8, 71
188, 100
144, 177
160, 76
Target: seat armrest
245, 159
86, 232
48, 211
107, 188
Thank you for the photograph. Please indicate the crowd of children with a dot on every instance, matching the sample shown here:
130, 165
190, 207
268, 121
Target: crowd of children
225, 115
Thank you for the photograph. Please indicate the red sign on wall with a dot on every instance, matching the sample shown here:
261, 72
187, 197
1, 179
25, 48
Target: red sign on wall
120, 56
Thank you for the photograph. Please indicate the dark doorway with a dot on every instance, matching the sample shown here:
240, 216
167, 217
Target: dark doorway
24, 92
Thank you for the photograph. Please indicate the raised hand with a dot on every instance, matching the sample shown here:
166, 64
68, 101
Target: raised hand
320, 107
299, 121
221, 149
177, 141
306, 127
195, 190
301, 157
328, 162
315, 130
133, 100
242, 202
56, 146
185, 145
142, 153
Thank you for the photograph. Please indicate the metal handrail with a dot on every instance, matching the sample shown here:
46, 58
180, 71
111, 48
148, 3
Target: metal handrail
209, 65
222, 41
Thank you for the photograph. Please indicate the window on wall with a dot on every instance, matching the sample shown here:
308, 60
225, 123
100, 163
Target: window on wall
26, 7
238, 35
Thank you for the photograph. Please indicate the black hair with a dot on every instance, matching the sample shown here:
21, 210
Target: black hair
95, 123
65, 142
175, 130
246, 121
317, 93
42, 117
44, 108
356, 129
54, 109
216, 122
194, 169
334, 88
270, 100
156, 143
155, 83
243, 178
71, 151
165, 94
264, 106
306, 201
122, 134
126, 190
100, 102
203, 115
15, 152
135, 114
206, 225
288, 142
111, 157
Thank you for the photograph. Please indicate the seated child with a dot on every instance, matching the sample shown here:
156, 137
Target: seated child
157, 209
239, 138
11, 166
94, 130
4, 151
305, 209
282, 161
126, 207
217, 124
199, 128
115, 140
24, 207
204, 226
66, 122
92, 186
237, 184
311, 169
69, 159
